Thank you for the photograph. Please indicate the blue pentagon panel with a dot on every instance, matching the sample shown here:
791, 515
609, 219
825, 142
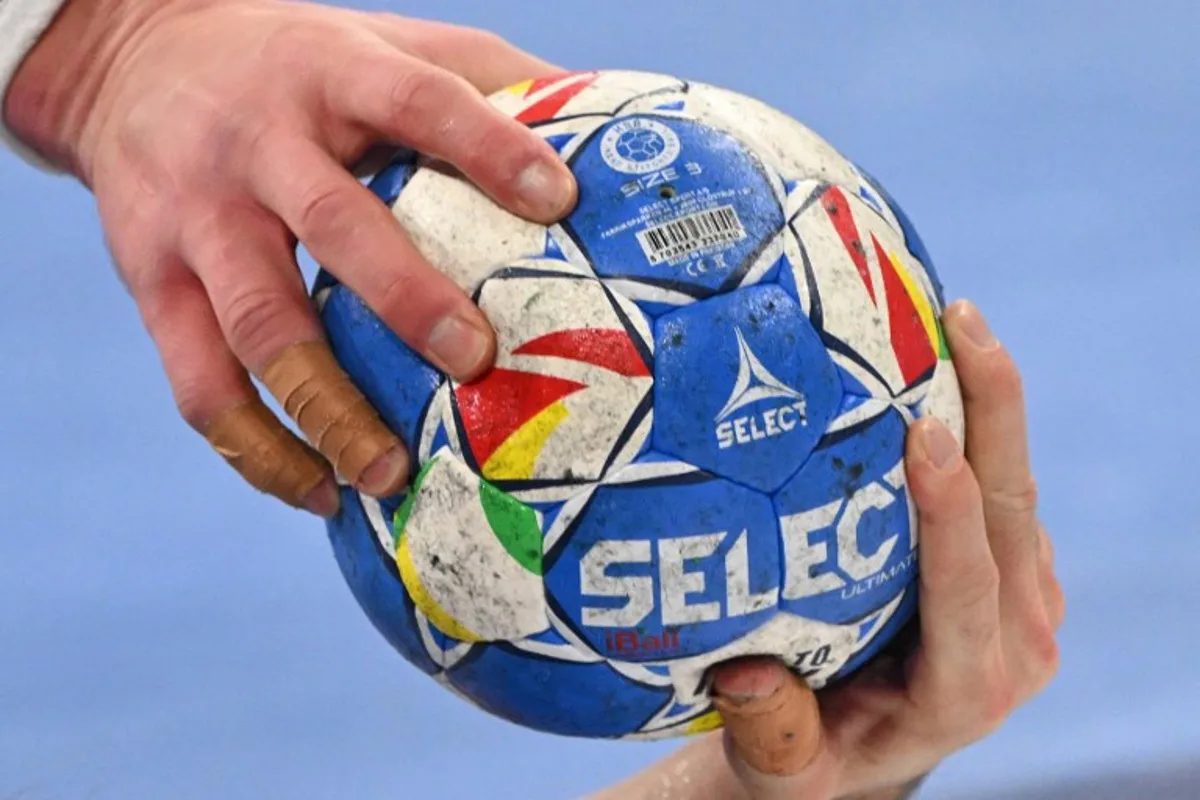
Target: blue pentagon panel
671, 204
884, 636
397, 382
848, 546
743, 386
555, 695
371, 574
666, 567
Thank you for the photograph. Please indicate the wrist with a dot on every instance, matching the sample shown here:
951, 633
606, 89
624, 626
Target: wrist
50, 102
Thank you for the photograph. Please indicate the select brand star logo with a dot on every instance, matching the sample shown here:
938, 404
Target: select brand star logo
755, 384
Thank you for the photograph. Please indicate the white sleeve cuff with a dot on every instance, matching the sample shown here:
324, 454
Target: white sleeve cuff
22, 23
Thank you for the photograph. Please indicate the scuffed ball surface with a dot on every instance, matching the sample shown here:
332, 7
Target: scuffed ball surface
691, 445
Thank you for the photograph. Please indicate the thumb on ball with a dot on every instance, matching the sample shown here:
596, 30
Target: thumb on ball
772, 727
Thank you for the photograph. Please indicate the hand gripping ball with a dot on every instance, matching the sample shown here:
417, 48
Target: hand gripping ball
691, 445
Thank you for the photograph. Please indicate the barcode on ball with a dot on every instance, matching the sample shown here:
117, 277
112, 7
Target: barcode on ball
690, 234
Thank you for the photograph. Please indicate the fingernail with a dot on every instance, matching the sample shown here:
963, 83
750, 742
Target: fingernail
774, 726
324, 500
939, 445
458, 346
741, 683
384, 473
972, 323
546, 188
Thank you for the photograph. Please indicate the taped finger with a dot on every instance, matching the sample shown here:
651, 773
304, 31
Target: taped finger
771, 718
357, 238
249, 272
215, 396
270, 458
336, 418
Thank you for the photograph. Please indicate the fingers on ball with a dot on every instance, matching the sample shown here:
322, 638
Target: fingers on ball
215, 397
487, 60
356, 238
997, 445
440, 114
249, 273
337, 418
270, 458
962, 656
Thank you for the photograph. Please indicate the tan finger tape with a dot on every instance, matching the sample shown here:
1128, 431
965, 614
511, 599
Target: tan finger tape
775, 735
265, 453
334, 416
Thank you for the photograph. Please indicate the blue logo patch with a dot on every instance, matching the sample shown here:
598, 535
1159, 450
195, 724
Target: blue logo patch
667, 567
743, 386
847, 539
671, 204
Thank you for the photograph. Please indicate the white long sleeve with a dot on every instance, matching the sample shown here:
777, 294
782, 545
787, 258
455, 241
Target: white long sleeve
22, 22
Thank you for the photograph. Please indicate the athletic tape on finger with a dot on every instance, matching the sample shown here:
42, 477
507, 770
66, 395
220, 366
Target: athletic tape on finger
334, 416
776, 735
265, 453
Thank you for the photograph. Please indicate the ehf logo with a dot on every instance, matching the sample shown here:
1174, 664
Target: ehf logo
639, 146
736, 425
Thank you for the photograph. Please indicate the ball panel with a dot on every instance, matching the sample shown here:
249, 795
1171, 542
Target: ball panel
569, 397
943, 401
674, 206
658, 563
607, 93
461, 231
555, 695
790, 148
391, 180
875, 314
849, 526
817, 650
371, 574
743, 386
912, 239
470, 556
373, 356
878, 629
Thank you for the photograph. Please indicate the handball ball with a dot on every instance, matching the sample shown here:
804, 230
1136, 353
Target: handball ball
690, 448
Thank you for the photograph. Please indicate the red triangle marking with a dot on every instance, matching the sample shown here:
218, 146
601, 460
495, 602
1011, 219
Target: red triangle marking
551, 104
838, 209
910, 340
607, 348
503, 400
537, 84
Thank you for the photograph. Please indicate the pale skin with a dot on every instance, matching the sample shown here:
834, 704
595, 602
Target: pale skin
215, 134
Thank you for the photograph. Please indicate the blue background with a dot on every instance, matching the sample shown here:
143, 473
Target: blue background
166, 633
